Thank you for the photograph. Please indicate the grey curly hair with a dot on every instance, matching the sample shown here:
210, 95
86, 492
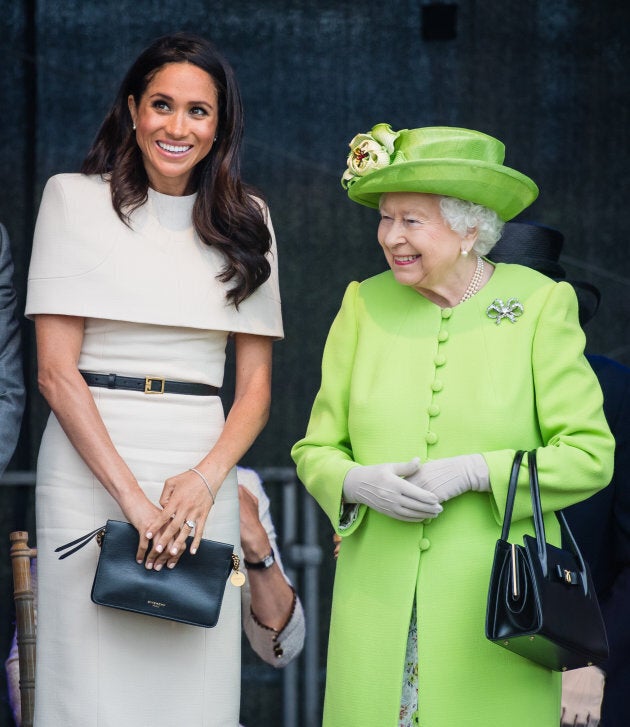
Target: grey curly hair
461, 215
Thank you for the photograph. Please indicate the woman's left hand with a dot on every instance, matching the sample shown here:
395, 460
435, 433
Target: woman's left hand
185, 499
185, 496
453, 476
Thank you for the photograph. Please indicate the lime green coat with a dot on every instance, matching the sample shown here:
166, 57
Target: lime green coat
403, 378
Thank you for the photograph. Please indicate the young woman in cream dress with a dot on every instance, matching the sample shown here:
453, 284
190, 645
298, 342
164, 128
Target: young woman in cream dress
142, 266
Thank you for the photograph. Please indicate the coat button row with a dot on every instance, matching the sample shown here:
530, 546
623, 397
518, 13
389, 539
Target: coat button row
424, 544
433, 410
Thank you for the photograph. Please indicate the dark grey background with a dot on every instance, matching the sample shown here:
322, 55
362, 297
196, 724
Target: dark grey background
547, 77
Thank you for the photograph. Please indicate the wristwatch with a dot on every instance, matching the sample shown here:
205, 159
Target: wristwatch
266, 562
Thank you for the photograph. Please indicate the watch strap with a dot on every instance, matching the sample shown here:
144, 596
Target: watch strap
266, 562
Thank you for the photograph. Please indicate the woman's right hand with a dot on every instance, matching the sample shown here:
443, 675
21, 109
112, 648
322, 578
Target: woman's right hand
383, 487
59, 343
141, 512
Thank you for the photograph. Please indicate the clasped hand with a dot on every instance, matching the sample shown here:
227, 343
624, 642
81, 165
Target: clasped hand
452, 476
387, 488
185, 500
412, 491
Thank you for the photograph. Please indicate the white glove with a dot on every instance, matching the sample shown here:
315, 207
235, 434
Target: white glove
582, 692
382, 487
453, 476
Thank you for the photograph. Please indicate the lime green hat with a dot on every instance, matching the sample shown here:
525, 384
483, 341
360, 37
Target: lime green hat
441, 160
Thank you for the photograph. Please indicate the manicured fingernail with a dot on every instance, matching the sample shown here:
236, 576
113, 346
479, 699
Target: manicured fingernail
159, 548
139, 561
174, 551
149, 565
158, 566
193, 551
149, 535
171, 565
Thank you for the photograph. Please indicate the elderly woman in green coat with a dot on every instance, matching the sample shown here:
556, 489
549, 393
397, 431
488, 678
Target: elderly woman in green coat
434, 373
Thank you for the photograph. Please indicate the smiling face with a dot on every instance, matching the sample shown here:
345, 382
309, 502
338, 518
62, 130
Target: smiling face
176, 123
421, 249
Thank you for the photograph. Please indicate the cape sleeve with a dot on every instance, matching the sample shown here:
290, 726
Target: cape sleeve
87, 262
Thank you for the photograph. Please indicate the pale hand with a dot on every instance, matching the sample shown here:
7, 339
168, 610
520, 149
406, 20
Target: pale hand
582, 692
383, 487
452, 476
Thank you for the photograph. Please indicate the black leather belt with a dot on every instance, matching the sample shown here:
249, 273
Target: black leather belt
148, 384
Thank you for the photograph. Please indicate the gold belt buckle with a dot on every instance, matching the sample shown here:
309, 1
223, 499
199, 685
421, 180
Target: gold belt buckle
148, 381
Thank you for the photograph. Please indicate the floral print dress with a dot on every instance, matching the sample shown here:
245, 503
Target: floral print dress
408, 716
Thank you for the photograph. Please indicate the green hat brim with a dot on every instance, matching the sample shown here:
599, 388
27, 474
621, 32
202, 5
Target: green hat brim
498, 187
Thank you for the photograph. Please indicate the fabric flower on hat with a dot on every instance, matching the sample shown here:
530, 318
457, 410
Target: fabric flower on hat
369, 152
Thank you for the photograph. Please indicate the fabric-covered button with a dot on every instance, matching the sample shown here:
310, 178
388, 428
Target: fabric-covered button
433, 410
440, 359
437, 385
431, 437
443, 336
447, 313
425, 544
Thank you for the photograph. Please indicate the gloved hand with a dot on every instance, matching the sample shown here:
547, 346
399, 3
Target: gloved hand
382, 487
582, 692
453, 476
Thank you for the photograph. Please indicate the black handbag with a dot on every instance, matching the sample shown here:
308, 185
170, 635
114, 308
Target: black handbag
541, 600
190, 593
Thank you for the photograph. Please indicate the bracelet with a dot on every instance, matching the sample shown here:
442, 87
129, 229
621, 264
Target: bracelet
205, 481
276, 632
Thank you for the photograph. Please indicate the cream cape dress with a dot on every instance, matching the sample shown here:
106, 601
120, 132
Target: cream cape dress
152, 307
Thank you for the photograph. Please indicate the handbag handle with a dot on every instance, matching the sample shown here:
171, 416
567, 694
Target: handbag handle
539, 525
82, 541
511, 494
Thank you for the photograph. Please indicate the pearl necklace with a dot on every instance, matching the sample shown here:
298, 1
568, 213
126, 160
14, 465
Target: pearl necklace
475, 281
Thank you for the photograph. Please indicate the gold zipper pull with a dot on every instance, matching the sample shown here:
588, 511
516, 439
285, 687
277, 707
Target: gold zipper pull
237, 577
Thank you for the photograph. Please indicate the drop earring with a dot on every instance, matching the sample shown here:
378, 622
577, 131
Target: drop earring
133, 125
464, 253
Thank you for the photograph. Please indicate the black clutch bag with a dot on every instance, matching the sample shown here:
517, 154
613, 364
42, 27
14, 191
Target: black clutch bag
541, 600
190, 593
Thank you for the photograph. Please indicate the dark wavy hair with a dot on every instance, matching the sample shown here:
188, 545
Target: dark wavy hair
224, 215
